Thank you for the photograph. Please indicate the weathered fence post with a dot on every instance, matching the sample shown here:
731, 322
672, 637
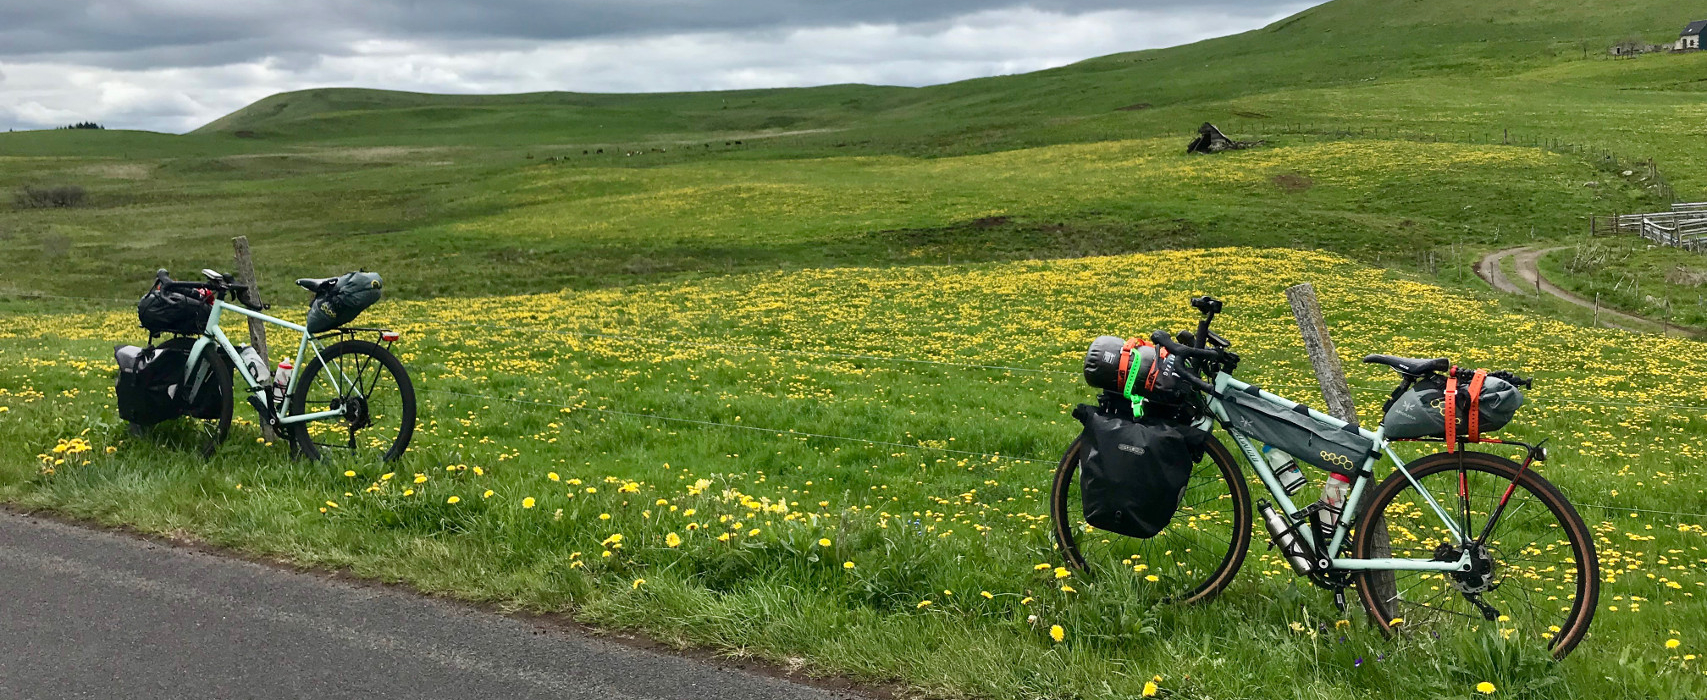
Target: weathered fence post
1597, 309
1326, 361
1320, 347
257, 329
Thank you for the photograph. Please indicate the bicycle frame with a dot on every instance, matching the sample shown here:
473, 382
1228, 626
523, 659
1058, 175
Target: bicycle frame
213, 335
1225, 382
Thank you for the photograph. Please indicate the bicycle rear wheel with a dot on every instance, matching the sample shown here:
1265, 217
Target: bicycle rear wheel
1536, 579
370, 385
1190, 561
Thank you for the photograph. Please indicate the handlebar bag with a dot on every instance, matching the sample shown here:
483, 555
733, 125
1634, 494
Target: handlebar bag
1137, 369
345, 299
162, 311
1339, 450
150, 383
1421, 410
1132, 474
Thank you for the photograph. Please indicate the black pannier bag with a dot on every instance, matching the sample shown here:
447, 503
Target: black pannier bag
343, 300
1132, 474
150, 387
162, 311
1421, 410
1339, 450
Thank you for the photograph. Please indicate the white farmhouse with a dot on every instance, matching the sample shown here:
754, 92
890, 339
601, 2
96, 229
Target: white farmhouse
1690, 39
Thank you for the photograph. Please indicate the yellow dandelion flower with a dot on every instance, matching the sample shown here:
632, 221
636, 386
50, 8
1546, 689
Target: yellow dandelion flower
1057, 633
552, 476
1485, 688
527, 502
454, 499
673, 540
924, 603
488, 494
987, 595
1062, 572
824, 542
638, 583
1151, 689
1672, 643
349, 472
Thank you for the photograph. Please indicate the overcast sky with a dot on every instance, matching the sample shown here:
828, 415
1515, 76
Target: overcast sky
173, 65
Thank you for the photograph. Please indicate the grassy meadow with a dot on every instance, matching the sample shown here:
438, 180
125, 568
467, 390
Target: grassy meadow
566, 496
666, 345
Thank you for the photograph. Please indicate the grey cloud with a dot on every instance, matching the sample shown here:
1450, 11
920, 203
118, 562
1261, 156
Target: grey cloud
163, 33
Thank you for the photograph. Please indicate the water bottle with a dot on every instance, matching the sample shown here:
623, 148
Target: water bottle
257, 367
1334, 494
1285, 469
281, 381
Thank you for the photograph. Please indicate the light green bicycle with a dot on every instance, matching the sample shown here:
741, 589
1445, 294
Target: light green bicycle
353, 397
1504, 549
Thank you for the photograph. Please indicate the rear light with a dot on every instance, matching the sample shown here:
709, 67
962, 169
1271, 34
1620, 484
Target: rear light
389, 336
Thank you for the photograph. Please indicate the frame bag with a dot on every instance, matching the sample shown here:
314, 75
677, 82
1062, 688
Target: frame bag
150, 388
162, 311
1421, 410
345, 299
1339, 450
1132, 474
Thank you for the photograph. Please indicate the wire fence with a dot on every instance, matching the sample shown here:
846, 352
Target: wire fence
992, 456
867, 357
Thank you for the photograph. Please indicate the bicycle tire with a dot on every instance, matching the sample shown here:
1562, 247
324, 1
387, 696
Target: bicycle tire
1586, 575
300, 400
1062, 518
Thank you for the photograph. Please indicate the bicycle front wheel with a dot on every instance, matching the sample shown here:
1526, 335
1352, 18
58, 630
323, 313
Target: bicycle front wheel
1191, 560
369, 384
1534, 579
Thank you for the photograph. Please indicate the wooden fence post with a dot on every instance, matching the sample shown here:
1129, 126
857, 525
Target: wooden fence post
1331, 375
1320, 347
257, 328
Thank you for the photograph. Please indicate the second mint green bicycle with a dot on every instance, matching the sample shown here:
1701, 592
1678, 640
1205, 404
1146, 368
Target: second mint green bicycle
1457, 538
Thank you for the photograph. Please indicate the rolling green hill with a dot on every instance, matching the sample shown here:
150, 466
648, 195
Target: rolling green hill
584, 282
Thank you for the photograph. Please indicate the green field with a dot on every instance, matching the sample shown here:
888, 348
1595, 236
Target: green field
705, 330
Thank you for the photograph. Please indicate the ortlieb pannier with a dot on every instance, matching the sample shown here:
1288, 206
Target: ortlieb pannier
1421, 410
162, 311
1339, 450
151, 383
343, 300
1132, 474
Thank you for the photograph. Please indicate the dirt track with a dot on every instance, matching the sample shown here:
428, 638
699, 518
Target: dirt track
1526, 261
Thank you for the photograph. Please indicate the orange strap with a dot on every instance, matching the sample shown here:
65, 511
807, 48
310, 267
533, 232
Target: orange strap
1451, 412
1126, 358
1476, 405
1155, 369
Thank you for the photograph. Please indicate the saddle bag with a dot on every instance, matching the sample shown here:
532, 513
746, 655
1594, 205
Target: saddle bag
150, 387
1133, 473
162, 311
1484, 404
343, 300
1338, 450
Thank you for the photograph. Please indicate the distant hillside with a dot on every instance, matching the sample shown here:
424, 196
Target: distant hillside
1339, 43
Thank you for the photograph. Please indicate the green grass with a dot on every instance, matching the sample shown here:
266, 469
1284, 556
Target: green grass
953, 223
916, 522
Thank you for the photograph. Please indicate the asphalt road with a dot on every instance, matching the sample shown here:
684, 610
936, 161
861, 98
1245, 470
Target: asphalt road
92, 614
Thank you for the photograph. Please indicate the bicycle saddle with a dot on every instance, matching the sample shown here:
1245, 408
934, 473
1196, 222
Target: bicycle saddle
315, 284
1410, 365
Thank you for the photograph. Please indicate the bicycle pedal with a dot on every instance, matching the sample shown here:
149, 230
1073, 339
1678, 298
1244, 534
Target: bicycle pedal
1339, 599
